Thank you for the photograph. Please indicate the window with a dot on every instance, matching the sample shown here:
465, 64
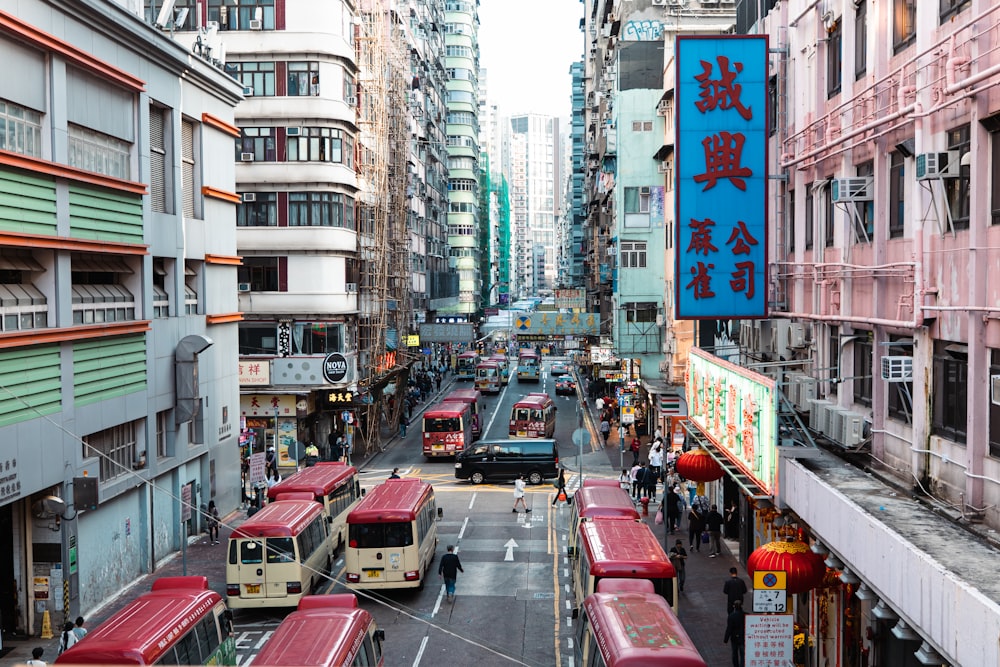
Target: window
20, 129
951, 7
904, 14
115, 447
261, 212
957, 189
863, 370
632, 255
260, 272
950, 398
98, 293
772, 109
642, 126
994, 408
320, 209
834, 58
810, 214
641, 312
994, 128
192, 278
258, 76
899, 394
860, 39
257, 338
897, 201
22, 305
162, 422
317, 338
159, 121
97, 152
790, 223
828, 218
637, 200
161, 297
237, 14
189, 169
864, 212
257, 141
321, 144
303, 79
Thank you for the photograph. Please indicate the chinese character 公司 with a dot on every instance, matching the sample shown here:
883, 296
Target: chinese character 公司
723, 154
723, 92
743, 279
701, 236
742, 238
701, 284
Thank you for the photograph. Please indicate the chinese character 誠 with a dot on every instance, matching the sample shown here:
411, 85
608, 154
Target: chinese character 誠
723, 156
701, 236
701, 284
722, 93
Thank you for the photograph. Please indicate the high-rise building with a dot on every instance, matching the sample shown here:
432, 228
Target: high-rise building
577, 202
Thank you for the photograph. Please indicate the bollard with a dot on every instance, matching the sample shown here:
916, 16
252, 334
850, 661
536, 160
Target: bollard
46, 626
644, 501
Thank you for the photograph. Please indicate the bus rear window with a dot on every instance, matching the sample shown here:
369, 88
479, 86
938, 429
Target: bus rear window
442, 425
251, 553
280, 550
378, 535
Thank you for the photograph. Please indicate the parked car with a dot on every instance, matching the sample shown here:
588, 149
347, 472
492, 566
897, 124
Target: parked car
565, 385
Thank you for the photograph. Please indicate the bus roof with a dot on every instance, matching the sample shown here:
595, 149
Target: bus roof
319, 480
139, 633
604, 501
468, 354
489, 363
525, 352
464, 395
533, 400
598, 481
321, 633
391, 501
447, 409
281, 518
624, 549
498, 356
634, 629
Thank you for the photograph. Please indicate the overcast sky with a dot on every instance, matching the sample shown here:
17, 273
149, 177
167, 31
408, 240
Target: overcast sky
527, 47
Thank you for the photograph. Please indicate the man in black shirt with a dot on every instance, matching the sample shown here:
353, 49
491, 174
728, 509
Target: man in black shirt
734, 588
713, 522
449, 568
735, 624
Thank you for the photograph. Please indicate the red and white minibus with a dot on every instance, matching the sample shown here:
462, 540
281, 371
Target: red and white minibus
465, 365
447, 429
533, 416
488, 377
334, 484
598, 502
475, 400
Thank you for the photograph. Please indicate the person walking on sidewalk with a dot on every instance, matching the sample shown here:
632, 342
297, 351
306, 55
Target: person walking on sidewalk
605, 430
213, 531
735, 589
678, 558
696, 524
449, 568
735, 624
519, 494
36, 657
713, 522
561, 487
674, 506
402, 424
635, 448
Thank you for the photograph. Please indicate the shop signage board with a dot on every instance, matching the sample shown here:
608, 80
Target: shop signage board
735, 409
255, 373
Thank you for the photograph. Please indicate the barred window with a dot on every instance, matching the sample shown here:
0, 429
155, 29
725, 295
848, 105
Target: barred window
116, 448
20, 129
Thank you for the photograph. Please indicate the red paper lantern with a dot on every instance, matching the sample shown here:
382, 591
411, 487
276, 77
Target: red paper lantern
804, 569
698, 465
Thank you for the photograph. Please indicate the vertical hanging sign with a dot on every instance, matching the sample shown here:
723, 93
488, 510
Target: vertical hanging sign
721, 172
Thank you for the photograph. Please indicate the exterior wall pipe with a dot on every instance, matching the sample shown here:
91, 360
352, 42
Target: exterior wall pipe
898, 324
874, 125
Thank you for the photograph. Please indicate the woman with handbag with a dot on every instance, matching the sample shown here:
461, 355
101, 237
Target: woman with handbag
560, 485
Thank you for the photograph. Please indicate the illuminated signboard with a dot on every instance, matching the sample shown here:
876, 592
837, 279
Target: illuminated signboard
735, 408
721, 172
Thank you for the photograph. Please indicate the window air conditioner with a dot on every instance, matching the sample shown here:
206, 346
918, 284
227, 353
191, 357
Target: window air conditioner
644, 190
246, 157
664, 167
247, 91
663, 107
659, 2
897, 369
351, 288
293, 131
244, 287
249, 197
852, 189
256, 24
937, 165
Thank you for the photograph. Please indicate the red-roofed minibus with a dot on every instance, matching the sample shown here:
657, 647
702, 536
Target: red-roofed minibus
278, 555
533, 416
465, 365
475, 400
622, 549
325, 631
488, 377
334, 484
598, 502
504, 363
626, 624
392, 536
181, 621
447, 429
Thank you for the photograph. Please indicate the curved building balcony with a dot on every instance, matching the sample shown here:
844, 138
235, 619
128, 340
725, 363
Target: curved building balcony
331, 239
293, 45
290, 111
299, 303
282, 175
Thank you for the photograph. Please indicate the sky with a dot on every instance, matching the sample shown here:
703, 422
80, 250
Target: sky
527, 47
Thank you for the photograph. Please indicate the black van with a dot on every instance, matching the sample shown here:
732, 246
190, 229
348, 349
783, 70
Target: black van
535, 458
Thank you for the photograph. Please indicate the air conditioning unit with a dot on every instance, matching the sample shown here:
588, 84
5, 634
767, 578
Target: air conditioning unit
835, 423
937, 165
351, 288
897, 369
351, 101
663, 107
644, 190
675, 3
244, 287
819, 413
247, 91
659, 2
791, 387
246, 157
664, 167
852, 429
293, 131
852, 189
249, 197
796, 335
807, 393
256, 24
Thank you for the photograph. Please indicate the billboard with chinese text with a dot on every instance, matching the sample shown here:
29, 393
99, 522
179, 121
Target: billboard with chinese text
721, 171
735, 409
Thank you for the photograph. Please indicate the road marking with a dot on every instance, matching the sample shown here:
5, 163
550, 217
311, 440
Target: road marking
464, 524
437, 604
420, 653
472, 501
510, 549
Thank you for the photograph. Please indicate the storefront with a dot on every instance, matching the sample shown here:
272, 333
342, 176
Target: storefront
273, 420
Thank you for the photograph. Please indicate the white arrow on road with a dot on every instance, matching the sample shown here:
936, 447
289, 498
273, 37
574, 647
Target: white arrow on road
510, 549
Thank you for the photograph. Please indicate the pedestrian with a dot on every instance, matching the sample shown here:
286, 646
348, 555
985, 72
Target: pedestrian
519, 494
692, 489
696, 524
561, 487
636, 482
36, 657
678, 558
733, 521
79, 630
674, 505
605, 430
735, 624
402, 424
213, 538
649, 483
635, 448
713, 523
312, 454
449, 568
395, 474
333, 446
270, 461
656, 458
734, 588
625, 480
273, 478
67, 638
